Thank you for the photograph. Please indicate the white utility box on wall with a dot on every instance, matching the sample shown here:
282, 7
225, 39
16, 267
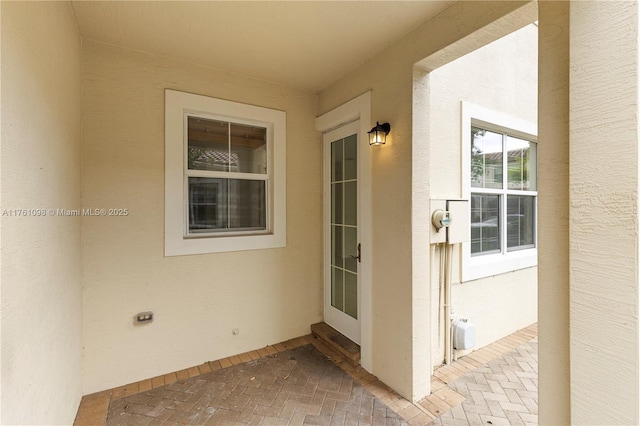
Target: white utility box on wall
464, 334
460, 220
451, 221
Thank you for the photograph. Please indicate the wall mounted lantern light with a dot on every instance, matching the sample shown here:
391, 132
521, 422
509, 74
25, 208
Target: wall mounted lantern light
378, 135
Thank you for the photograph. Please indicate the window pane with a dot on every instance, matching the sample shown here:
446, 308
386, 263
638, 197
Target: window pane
521, 159
226, 204
206, 204
520, 222
249, 149
208, 142
485, 224
486, 158
247, 204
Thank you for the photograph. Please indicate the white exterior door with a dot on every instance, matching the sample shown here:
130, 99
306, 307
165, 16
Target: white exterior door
342, 239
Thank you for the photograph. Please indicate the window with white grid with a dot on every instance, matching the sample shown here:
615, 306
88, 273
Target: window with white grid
224, 175
500, 180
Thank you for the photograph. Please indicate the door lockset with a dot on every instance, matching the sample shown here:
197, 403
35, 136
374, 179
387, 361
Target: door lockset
358, 257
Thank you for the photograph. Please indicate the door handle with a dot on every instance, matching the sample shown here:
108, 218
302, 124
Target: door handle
359, 256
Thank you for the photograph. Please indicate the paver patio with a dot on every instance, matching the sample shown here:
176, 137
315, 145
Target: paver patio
303, 381
295, 387
501, 392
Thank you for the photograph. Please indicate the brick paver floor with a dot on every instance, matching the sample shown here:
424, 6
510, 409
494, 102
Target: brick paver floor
302, 381
297, 386
502, 392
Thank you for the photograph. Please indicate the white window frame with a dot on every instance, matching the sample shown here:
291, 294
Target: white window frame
476, 267
178, 105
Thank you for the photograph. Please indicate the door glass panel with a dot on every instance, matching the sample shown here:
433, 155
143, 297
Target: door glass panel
336, 161
336, 246
350, 249
351, 203
337, 289
344, 231
351, 294
336, 203
350, 158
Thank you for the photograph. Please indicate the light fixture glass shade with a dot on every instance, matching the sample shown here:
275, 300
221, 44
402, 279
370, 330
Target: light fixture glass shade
378, 135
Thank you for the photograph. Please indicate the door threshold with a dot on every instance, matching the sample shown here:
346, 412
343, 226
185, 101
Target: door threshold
337, 341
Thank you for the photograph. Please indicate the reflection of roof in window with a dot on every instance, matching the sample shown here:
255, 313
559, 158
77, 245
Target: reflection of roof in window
497, 156
218, 157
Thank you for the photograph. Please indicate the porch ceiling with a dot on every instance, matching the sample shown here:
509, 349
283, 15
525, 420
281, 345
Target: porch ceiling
303, 44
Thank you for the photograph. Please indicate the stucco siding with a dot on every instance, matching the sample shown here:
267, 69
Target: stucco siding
604, 178
269, 295
41, 278
502, 77
401, 352
553, 210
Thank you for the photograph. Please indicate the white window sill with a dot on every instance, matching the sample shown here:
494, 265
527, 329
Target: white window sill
483, 266
176, 245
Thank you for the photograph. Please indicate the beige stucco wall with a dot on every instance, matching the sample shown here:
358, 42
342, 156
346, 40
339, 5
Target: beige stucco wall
269, 295
553, 212
40, 354
589, 359
502, 77
401, 342
41, 280
604, 183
